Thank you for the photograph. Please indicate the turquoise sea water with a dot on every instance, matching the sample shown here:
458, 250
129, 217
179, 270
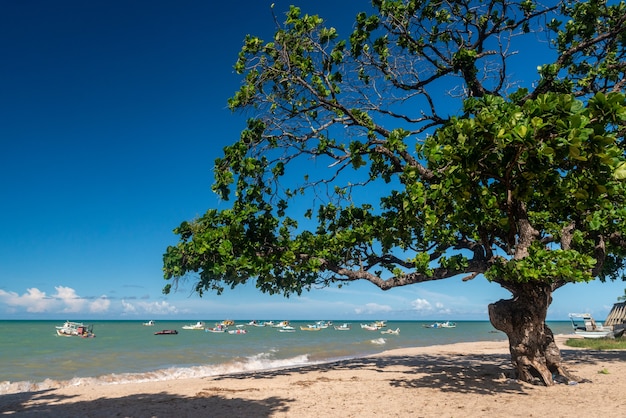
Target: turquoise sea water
33, 357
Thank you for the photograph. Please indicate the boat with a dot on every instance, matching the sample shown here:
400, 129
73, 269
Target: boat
310, 328
589, 328
255, 323
216, 328
343, 327
446, 324
228, 323
370, 327
150, 323
166, 332
75, 329
287, 328
281, 324
199, 326
237, 331
391, 331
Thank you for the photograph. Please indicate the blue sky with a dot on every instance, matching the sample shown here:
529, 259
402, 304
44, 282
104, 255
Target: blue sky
111, 114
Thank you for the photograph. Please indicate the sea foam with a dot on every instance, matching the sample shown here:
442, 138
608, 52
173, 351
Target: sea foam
255, 363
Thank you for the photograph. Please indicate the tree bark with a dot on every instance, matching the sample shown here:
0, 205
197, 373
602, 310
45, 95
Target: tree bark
534, 354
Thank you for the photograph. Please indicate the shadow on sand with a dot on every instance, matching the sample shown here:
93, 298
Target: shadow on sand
46, 404
472, 373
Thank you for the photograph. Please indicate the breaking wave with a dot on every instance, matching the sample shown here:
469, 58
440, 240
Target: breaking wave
255, 363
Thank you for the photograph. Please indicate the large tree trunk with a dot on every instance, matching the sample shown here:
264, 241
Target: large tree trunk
534, 354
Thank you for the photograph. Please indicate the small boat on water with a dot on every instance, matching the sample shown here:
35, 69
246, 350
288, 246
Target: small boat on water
310, 328
237, 331
255, 323
150, 323
198, 326
589, 328
287, 328
166, 332
343, 327
370, 327
446, 324
391, 331
75, 329
218, 328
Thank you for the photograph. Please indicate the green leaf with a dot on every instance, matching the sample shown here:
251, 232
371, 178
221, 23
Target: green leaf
620, 171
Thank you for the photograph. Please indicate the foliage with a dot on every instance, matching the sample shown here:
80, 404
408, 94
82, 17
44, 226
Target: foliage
414, 156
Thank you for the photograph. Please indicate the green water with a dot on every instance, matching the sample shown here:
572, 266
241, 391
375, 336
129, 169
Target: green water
128, 351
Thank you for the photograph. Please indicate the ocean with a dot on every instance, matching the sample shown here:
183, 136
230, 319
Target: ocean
33, 357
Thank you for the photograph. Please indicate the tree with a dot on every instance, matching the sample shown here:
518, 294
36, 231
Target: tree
425, 159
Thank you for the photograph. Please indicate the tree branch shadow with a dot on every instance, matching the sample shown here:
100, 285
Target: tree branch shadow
448, 372
205, 403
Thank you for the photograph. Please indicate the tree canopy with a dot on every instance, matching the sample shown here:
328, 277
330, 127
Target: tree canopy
408, 152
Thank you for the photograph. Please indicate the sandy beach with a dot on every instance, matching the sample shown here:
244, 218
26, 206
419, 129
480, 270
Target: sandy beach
457, 380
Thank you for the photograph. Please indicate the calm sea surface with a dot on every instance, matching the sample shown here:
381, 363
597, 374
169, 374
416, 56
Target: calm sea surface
33, 357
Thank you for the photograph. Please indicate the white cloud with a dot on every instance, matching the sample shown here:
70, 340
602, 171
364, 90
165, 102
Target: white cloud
34, 300
69, 299
64, 300
422, 305
373, 308
154, 308
128, 307
102, 304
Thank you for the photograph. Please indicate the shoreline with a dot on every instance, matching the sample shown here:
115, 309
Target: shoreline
469, 379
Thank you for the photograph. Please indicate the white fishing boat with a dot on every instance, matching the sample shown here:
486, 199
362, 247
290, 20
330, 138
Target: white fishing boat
237, 331
343, 327
199, 326
150, 323
589, 328
391, 331
446, 324
75, 329
370, 327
